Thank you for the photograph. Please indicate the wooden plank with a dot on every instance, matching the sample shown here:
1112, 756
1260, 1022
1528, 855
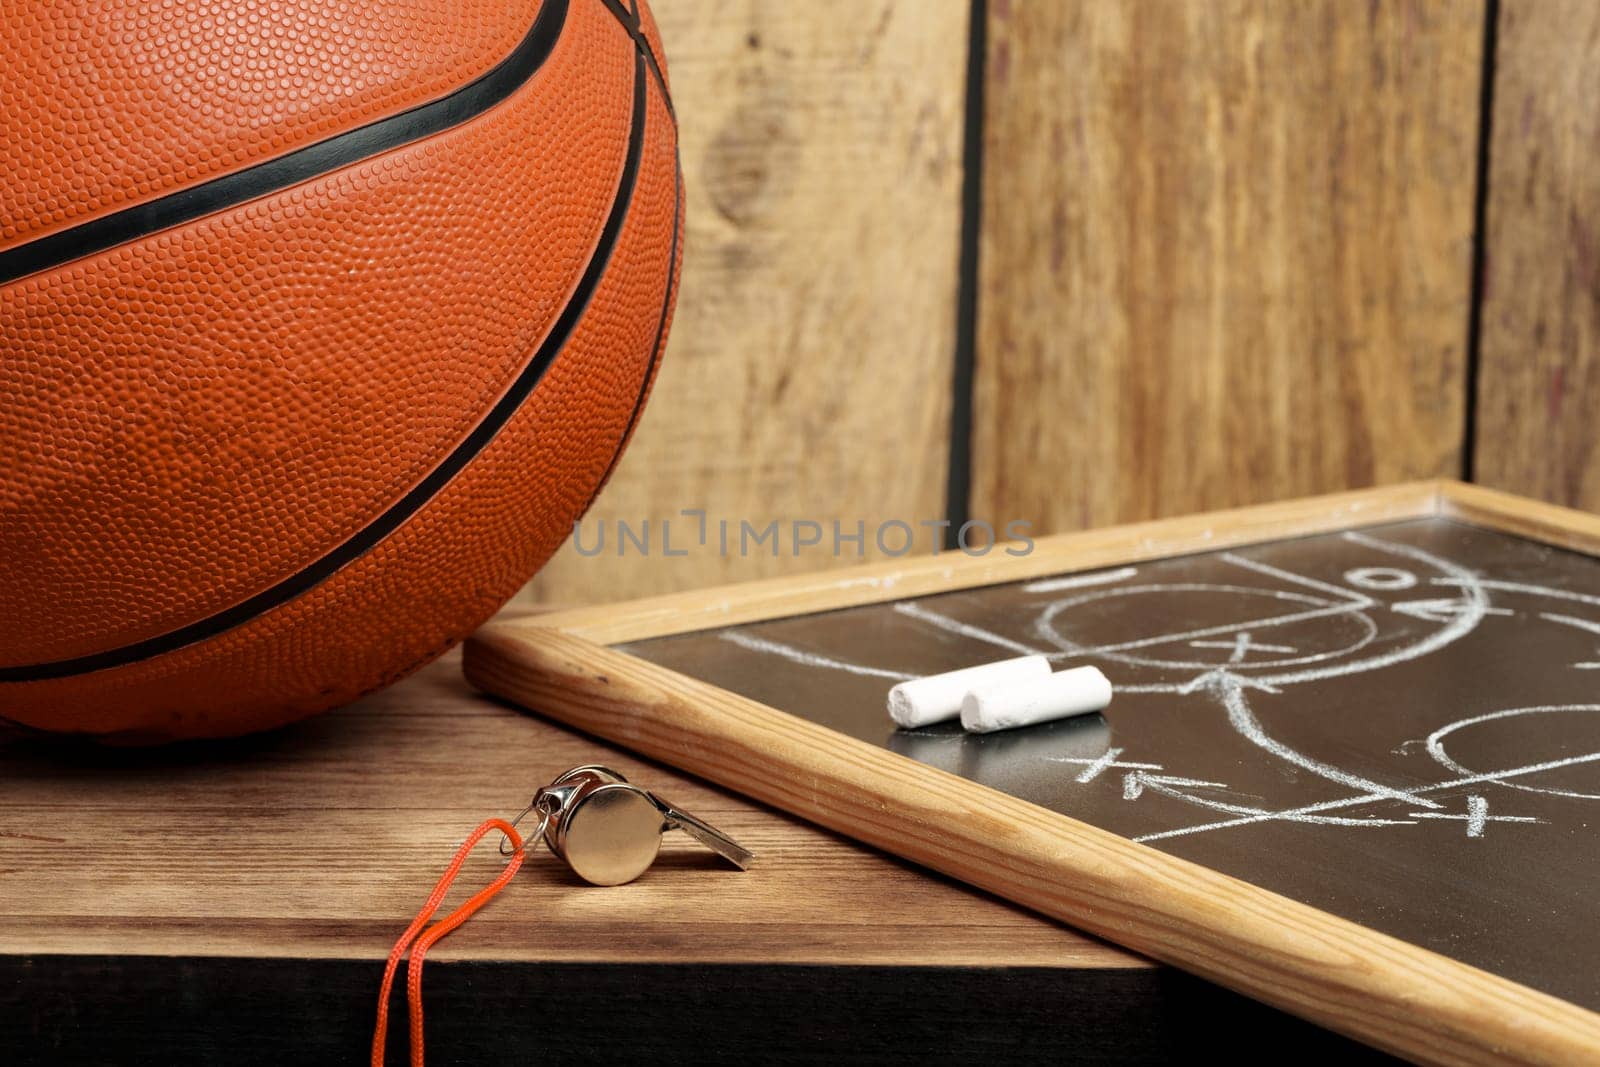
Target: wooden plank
809, 370
730, 605
320, 841
1225, 253
1539, 369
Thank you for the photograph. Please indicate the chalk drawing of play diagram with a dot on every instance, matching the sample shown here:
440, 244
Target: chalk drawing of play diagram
1284, 631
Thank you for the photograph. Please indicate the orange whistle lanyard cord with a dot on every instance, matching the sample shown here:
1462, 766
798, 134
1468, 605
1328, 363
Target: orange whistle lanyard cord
426, 941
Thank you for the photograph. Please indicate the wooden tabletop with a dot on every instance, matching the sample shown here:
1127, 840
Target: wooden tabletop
238, 898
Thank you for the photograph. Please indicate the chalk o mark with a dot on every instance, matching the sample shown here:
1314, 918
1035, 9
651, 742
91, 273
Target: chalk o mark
1474, 606
1436, 749
1136, 783
1380, 578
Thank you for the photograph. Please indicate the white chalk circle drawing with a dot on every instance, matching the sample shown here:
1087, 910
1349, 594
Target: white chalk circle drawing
1436, 749
1270, 639
1380, 579
1235, 642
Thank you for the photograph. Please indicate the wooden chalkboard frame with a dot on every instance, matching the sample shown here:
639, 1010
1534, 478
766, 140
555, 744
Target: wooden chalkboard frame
1330, 970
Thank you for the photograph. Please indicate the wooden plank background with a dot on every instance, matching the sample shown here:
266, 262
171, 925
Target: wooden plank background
1226, 253
1539, 379
386, 772
1214, 254
808, 374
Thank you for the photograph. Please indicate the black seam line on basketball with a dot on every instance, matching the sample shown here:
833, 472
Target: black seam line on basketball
628, 19
661, 328
396, 514
631, 22
302, 164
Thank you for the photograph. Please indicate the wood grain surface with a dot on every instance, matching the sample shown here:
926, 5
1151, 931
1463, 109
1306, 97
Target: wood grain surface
322, 839
808, 374
1225, 252
1539, 376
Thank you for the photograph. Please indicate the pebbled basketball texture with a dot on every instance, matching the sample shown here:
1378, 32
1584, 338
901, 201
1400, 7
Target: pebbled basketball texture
322, 323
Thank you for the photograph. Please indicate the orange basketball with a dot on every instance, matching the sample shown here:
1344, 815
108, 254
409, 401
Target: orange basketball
322, 324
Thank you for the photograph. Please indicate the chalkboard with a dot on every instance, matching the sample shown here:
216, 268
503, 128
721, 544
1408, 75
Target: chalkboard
1399, 725
1352, 766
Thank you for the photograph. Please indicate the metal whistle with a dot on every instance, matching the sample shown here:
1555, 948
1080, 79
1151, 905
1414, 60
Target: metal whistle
609, 831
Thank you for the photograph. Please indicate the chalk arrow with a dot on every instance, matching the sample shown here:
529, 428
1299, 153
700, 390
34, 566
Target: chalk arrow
1442, 610
1221, 680
1134, 783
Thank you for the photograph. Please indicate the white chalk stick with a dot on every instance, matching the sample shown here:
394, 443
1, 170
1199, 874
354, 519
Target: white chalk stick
937, 697
1026, 701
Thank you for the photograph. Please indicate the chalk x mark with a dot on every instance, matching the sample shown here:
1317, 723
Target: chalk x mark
1229, 687
1472, 595
1104, 762
1133, 786
1298, 814
1477, 815
1241, 645
1222, 628
1474, 606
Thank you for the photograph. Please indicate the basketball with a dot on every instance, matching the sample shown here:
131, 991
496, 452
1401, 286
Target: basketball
322, 324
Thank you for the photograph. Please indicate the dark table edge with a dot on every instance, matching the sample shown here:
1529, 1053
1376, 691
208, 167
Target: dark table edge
100, 1009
